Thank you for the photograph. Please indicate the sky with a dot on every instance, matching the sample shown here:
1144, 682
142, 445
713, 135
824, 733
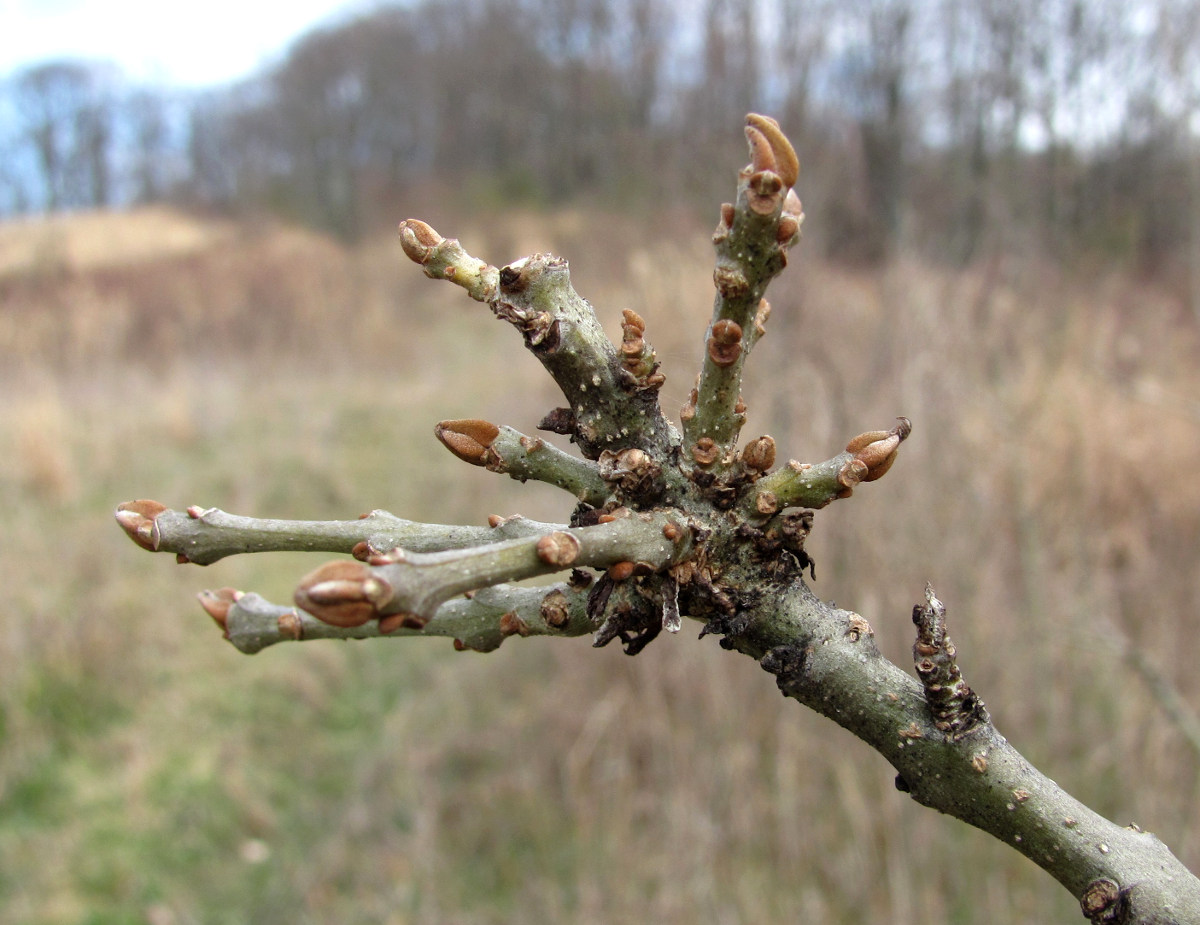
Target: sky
184, 44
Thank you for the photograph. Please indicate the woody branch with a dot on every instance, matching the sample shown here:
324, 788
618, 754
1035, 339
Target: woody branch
678, 524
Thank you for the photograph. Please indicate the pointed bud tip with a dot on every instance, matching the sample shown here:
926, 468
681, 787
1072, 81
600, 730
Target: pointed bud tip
418, 240
467, 439
139, 519
786, 163
217, 604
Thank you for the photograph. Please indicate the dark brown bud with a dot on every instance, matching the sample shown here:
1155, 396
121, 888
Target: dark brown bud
418, 240
559, 421
467, 439
514, 278
559, 548
343, 593
1099, 898
139, 519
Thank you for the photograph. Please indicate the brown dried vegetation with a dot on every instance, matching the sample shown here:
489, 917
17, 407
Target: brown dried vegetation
1045, 492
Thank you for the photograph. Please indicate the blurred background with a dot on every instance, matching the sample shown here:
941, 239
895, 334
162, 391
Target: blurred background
202, 301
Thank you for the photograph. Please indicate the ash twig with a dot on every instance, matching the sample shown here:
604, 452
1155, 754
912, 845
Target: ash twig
480, 622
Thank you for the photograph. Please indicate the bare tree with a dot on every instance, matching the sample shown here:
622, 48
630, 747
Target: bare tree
146, 112
65, 110
672, 522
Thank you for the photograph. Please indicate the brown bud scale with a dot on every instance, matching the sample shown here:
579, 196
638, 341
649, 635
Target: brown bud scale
706, 451
467, 439
759, 454
217, 604
725, 342
762, 156
342, 593
787, 164
418, 240
764, 192
139, 519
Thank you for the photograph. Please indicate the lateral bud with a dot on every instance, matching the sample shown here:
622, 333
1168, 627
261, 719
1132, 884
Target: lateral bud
343, 594
559, 549
468, 439
759, 454
725, 342
765, 190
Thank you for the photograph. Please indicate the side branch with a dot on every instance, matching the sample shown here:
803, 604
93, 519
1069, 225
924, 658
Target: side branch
479, 622
751, 243
503, 449
405, 589
205, 535
866, 458
611, 406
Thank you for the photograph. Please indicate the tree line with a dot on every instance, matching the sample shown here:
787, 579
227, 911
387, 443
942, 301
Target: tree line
951, 127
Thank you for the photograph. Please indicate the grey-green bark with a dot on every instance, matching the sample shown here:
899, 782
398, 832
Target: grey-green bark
668, 523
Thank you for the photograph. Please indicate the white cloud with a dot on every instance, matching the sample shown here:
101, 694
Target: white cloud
180, 43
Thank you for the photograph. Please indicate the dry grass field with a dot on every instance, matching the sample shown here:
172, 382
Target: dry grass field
151, 774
